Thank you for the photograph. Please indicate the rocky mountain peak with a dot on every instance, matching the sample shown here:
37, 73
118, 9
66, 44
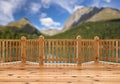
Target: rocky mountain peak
80, 15
105, 14
24, 20
20, 23
86, 14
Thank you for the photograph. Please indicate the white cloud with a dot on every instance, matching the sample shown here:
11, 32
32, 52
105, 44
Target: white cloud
65, 4
46, 3
43, 15
96, 3
35, 7
8, 8
100, 3
68, 5
108, 1
49, 22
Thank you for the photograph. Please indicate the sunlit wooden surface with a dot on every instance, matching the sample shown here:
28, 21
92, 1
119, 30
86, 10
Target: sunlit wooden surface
89, 73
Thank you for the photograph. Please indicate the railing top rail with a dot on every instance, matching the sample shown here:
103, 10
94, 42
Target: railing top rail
60, 40
32, 40
87, 39
109, 39
10, 40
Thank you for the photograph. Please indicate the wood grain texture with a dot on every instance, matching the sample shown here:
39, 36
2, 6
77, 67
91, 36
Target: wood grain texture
41, 46
79, 40
23, 49
89, 73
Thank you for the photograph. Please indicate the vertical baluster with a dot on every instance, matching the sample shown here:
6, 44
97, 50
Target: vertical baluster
27, 51
110, 50
37, 51
100, 51
106, 50
46, 50
66, 51
87, 55
6, 43
89, 51
49, 55
3, 53
117, 51
70, 51
17, 49
63, 51
10, 51
33, 56
85, 51
31, 51
6, 50
56, 51
61, 55
53, 51
74, 51
0, 51
14, 50
34, 51
113, 50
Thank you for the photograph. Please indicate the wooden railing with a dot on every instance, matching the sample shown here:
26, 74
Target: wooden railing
109, 50
59, 51
10, 50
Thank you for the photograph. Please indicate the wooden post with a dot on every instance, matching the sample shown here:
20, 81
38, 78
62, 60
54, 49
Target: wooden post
117, 51
23, 49
96, 48
79, 47
41, 47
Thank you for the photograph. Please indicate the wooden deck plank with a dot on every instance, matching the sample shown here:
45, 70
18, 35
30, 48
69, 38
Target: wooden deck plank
48, 83
88, 73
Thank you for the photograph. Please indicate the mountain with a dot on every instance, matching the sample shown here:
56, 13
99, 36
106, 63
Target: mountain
20, 24
50, 32
88, 30
19, 28
90, 14
106, 14
80, 15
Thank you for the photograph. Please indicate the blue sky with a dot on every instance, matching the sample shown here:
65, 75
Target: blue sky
47, 14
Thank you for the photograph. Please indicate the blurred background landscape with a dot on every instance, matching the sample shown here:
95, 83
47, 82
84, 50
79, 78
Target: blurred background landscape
59, 19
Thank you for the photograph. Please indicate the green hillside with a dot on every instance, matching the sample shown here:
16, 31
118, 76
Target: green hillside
103, 29
7, 32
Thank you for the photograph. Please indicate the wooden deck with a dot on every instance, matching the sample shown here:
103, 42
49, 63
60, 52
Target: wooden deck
90, 73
